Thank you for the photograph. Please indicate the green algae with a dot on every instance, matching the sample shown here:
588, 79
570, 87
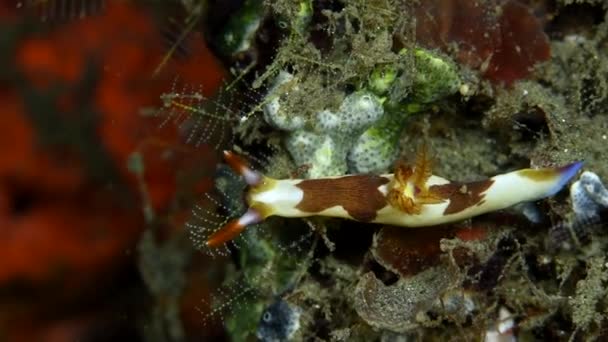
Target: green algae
589, 295
239, 33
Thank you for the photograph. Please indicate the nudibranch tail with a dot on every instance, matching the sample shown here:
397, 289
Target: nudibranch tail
566, 173
548, 181
502, 191
448, 201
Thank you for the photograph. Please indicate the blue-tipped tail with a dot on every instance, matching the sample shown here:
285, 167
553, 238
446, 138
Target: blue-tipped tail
566, 173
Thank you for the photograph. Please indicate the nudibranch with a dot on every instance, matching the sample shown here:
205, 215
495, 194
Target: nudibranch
411, 197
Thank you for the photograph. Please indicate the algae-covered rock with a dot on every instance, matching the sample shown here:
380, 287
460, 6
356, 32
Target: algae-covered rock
320, 154
401, 306
589, 294
358, 111
239, 33
279, 322
376, 149
276, 114
434, 78
364, 131
321, 143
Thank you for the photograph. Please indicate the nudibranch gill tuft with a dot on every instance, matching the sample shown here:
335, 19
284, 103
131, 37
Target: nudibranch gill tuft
409, 191
411, 197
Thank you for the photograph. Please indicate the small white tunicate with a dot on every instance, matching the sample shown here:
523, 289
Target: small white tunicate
358, 111
273, 113
371, 153
588, 195
272, 107
328, 121
464, 89
574, 39
301, 145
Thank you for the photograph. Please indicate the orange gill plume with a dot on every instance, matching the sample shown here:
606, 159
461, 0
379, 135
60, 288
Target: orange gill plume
408, 191
396, 196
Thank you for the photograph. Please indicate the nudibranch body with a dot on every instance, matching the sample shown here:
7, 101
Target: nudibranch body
411, 197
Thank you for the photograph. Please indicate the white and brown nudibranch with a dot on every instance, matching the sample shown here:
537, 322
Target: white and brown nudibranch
411, 197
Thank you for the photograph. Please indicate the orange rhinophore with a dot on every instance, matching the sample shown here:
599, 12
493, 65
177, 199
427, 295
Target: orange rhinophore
233, 228
239, 166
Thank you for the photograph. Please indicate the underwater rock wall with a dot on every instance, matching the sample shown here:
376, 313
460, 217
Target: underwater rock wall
357, 87
312, 89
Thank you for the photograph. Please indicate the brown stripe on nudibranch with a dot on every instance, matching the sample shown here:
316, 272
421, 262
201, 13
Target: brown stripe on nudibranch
358, 195
461, 195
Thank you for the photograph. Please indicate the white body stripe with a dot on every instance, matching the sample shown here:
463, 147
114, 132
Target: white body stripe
512, 188
282, 198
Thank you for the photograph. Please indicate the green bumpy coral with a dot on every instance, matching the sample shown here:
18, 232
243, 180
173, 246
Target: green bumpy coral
435, 77
362, 135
